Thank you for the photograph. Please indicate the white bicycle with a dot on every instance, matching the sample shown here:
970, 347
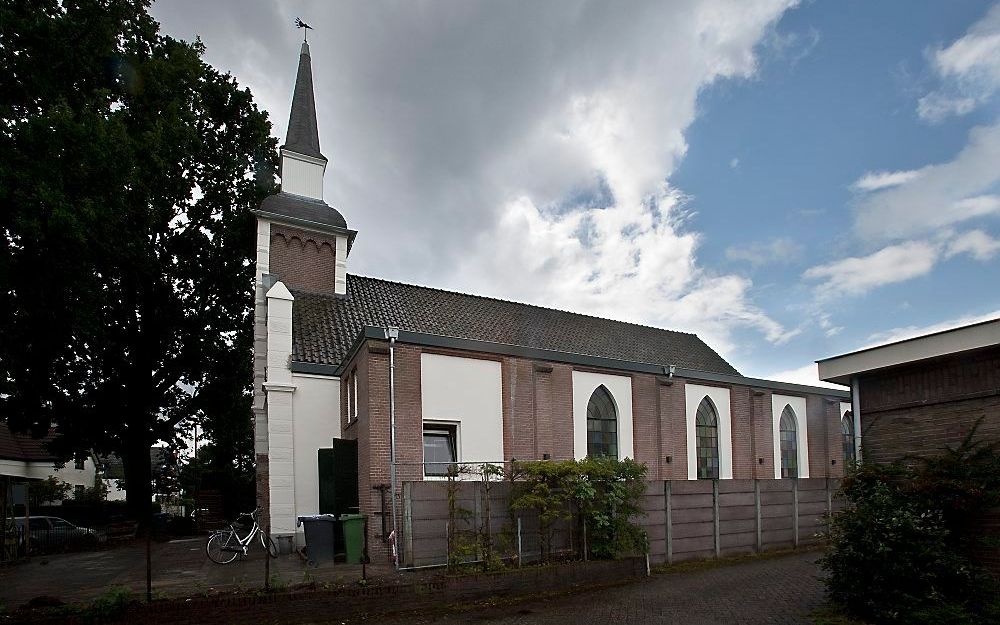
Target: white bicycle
224, 545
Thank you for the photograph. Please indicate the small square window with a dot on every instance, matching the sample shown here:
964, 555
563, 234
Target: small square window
79, 463
440, 448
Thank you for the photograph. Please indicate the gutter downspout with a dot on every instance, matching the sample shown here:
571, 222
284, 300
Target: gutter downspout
856, 412
392, 334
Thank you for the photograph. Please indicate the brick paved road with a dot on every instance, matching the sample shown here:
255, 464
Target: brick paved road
780, 590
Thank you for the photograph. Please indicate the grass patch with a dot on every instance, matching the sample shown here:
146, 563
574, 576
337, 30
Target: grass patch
692, 566
831, 614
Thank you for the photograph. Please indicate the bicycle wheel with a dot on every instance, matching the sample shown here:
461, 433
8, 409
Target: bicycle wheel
269, 545
220, 547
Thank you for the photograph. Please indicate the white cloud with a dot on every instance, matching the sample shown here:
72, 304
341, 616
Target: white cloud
896, 263
778, 250
734, 163
936, 196
858, 275
975, 243
806, 374
520, 151
969, 69
912, 331
875, 180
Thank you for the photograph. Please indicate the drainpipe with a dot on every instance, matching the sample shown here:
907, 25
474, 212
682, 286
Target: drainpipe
392, 334
856, 412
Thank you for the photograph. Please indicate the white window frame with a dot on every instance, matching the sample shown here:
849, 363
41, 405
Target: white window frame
798, 404
722, 399
457, 425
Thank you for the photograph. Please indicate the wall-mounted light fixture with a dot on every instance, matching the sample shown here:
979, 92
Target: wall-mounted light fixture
669, 459
760, 461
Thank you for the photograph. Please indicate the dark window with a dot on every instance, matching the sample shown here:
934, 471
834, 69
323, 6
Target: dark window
79, 463
602, 424
440, 448
847, 429
707, 440
79, 491
788, 432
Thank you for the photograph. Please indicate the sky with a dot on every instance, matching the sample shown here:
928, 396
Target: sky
789, 180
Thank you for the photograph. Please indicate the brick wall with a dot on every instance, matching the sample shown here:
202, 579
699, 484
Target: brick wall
304, 260
919, 410
537, 404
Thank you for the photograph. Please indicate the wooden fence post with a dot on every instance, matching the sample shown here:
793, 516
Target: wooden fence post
668, 521
715, 517
756, 505
795, 511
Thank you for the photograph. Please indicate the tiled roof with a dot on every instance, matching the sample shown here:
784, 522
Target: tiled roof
324, 327
303, 134
23, 447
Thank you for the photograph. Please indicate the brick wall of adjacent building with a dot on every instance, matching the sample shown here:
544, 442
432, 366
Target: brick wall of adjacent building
915, 410
918, 410
537, 404
304, 260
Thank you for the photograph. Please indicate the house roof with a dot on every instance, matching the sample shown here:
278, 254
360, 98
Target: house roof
303, 134
324, 327
840, 369
23, 447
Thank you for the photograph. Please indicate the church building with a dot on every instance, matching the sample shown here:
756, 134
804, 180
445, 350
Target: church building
339, 358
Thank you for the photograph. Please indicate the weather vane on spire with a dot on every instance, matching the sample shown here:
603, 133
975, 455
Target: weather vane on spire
305, 28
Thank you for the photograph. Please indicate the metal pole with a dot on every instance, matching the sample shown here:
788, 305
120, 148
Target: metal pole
267, 559
856, 410
364, 554
149, 560
392, 334
520, 554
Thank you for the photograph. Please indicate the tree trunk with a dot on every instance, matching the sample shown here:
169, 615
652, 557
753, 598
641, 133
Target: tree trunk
138, 482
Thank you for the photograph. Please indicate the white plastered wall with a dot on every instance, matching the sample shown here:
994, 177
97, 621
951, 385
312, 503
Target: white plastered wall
620, 387
302, 175
798, 404
693, 394
466, 391
316, 414
280, 430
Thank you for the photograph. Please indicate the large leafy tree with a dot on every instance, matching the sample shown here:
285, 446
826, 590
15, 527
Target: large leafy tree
128, 170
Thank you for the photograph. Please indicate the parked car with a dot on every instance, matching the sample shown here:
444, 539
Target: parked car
51, 533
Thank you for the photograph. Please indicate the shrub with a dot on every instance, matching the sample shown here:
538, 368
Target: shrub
606, 492
609, 494
899, 551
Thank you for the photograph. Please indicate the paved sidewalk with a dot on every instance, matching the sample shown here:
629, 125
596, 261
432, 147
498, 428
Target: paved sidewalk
180, 568
780, 590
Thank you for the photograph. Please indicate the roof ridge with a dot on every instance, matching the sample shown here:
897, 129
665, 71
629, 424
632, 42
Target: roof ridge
508, 301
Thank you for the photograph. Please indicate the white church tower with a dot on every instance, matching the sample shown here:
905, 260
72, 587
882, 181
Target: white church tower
302, 246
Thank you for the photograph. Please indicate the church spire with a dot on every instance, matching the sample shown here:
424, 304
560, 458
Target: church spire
303, 134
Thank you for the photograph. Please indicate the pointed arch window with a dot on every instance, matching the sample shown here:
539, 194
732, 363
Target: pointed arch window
707, 440
788, 432
847, 431
602, 424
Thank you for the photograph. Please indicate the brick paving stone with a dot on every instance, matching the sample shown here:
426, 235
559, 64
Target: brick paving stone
780, 591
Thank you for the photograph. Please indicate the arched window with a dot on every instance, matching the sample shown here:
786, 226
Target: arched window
602, 424
707, 440
847, 430
788, 431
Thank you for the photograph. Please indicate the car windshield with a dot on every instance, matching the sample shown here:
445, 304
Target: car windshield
61, 524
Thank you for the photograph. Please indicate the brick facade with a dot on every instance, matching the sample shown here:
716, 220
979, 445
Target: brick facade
537, 405
919, 409
304, 260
